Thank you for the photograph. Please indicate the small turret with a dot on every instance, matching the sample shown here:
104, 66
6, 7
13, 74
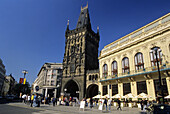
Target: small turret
97, 29
67, 25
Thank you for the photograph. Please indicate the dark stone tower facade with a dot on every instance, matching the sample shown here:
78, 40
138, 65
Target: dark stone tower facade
81, 54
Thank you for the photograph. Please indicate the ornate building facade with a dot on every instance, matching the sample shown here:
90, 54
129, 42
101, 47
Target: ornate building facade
49, 80
129, 64
81, 54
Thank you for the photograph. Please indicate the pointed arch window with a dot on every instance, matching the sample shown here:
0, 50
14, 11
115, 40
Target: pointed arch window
90, 77
125, 65
105, 70
114, 68
139, 64
153, 57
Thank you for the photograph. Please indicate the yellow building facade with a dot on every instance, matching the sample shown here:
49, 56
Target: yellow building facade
129, 64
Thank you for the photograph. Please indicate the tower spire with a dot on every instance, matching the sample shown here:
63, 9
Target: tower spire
97, 29
84, 18
68, 24
87, 4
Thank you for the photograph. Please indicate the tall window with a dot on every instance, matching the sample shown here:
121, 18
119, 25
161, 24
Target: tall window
90, 77
114, 89
141, 87
104, 90
114, 68
153, 57
139, 64
125, 65
105, 70
126, 88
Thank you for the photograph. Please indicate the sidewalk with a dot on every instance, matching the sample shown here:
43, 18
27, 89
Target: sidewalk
46, 109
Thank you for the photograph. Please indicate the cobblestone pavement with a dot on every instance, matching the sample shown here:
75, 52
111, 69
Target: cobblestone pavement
49, 109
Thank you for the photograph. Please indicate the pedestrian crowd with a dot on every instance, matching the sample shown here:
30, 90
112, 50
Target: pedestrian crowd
35, 100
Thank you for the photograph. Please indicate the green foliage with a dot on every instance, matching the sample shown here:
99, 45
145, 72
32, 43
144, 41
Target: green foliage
21, 88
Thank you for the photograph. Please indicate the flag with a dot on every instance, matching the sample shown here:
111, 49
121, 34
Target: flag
24, 81
21, 80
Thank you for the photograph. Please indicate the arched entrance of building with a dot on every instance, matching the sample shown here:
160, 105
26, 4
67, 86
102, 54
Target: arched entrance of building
92, 90
71, 89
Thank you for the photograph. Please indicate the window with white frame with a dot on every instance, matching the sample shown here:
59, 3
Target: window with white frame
105, 70
153, 57
139, 64
114, 68
125, 65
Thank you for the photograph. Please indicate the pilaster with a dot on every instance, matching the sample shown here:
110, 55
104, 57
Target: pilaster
168, 84
120, 88
150, 88
133, 88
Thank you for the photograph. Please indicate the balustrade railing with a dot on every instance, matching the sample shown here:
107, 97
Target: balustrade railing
133, 72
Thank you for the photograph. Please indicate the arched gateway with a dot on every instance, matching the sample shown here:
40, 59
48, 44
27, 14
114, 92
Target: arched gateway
71, 88
92, 90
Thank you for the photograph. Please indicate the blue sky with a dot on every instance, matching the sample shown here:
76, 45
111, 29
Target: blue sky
32, 32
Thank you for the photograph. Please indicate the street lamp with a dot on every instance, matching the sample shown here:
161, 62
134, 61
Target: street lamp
155, 51
25, 72
65, 91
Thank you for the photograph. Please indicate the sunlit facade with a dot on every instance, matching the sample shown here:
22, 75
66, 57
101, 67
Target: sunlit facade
49, 80
129, 64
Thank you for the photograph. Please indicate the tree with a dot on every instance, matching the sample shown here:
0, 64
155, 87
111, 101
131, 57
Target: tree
22, 88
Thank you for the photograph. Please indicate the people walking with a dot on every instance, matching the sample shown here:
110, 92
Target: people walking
119, 107
109, 103
29, 99
145, 104
141, 103
53, 100
105, 102
91, 102
32, 98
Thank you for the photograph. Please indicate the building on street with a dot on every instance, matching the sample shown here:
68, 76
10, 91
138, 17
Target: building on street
129, 64
9, 84
2, 76
49, 80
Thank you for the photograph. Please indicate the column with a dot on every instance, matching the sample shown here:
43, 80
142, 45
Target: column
134, 88
119, 65
100, 88
109, 90
150, 88
131, 61
168, 84
46, 90
146, 57
120, 88
55, 93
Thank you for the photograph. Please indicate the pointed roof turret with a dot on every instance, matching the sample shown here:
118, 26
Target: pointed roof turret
84, 18
67, 25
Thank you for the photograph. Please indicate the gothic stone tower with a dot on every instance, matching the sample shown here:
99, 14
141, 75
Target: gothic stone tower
81, 54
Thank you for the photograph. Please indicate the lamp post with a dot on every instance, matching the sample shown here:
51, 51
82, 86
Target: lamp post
65, 91
155, 50
25, 72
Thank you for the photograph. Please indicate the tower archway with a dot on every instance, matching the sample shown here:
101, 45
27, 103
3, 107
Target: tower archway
92, 90
71, 88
